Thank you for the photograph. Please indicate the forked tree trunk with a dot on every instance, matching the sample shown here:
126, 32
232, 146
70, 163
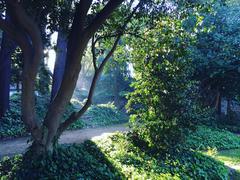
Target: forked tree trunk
77, 43
29, 39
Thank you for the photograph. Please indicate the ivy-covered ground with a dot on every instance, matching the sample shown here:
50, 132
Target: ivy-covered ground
119, 157
97, 116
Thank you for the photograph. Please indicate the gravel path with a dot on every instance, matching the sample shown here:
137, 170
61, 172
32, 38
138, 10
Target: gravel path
19, 145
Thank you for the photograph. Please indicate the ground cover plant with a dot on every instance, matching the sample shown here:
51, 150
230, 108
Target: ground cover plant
119, 157
97, 116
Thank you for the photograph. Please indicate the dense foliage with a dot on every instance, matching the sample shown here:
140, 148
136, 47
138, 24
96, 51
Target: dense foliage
98, 115
163, 104
183, 164
68, 162
117, 157
209, 138
216, 57
182, 59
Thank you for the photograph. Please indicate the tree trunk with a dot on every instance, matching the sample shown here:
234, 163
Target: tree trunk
29, 39
18, 82
218, 103
7, 48
59, 63
228, 106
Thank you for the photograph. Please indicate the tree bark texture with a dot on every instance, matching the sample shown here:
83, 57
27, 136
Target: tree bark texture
60, 62
27, 34
7, 49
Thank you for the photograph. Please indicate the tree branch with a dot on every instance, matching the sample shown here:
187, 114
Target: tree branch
76, 115
31, 45
102, 16
94, 58
10, 29
19, 15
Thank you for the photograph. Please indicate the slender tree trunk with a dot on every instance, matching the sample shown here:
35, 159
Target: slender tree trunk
218, 103
7, 48
18, 81
116, 88
228, 106
18, 86
59, 63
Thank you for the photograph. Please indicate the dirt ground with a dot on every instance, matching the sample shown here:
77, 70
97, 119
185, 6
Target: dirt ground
19, 145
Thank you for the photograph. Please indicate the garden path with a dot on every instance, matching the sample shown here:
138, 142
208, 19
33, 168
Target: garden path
19, 145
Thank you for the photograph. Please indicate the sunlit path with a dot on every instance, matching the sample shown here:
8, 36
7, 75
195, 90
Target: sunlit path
19, 145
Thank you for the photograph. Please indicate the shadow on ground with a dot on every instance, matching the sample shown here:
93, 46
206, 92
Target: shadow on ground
84, 161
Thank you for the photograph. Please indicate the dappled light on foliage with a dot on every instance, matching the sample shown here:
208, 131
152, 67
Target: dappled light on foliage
169, 69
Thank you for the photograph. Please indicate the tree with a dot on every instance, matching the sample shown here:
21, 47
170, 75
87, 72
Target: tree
7, 49
25, 32
216, 55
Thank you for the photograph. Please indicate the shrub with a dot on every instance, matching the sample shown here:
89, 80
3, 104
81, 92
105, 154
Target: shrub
11, 125
163, 104
103, 115
66, 162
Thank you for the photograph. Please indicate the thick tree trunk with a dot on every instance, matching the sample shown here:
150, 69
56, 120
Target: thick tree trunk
7, 48
26, 33
59, 63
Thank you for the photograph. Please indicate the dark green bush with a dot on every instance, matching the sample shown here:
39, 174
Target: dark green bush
103, 115
83, 161
11, 124
163, 104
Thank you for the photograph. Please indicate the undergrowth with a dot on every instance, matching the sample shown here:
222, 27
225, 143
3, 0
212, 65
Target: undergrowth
209, 137
11, 124
118, 157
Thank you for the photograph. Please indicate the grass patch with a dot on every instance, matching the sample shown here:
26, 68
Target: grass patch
219, 144
230, 157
